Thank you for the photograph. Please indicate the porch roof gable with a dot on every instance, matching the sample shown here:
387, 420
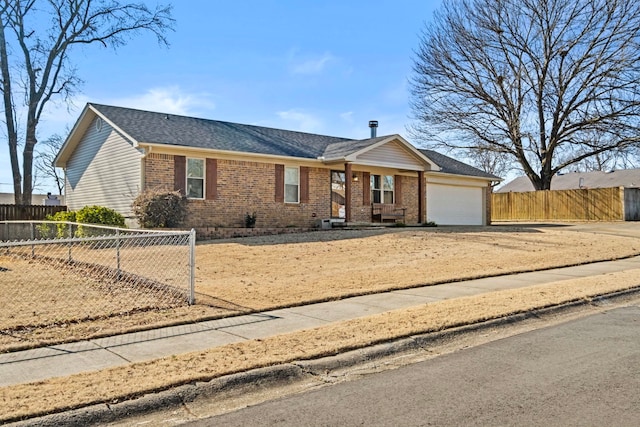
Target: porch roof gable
388, 150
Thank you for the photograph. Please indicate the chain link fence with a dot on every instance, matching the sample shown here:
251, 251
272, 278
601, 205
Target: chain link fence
53, 273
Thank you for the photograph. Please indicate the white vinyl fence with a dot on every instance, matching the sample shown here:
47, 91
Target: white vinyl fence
56, 272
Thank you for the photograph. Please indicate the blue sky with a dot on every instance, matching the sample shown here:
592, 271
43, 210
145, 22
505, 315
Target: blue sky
324, 67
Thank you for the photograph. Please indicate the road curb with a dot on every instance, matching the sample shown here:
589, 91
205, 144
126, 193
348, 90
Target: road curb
288, 373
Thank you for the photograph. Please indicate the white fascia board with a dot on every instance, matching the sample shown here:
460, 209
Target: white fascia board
444, 178
78, 131
353, 157
68, 145
131, 139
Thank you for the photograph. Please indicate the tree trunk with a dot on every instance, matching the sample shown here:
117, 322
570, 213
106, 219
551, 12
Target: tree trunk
12, 135
27, 166
27, 158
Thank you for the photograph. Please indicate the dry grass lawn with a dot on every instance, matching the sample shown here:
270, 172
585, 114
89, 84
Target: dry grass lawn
115, 384
266, 272
253, 274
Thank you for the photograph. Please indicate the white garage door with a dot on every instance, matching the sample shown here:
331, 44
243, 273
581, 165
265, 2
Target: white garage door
453, 205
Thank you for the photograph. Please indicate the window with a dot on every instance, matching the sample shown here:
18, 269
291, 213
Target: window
195, 178
291, 185
382, 189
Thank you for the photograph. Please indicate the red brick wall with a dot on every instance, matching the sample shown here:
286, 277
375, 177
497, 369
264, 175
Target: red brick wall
158, 171
359, 212
245, 187
362, 213
410, 198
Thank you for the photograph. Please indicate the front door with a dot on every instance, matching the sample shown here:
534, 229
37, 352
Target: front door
337, 194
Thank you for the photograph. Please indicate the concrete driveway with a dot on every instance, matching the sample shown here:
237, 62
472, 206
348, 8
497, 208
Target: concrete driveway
618, 228
625, 229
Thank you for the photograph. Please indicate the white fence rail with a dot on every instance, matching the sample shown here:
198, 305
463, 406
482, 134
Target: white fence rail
56, 272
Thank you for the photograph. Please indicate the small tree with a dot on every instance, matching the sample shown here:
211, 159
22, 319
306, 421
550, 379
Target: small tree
45, 161
158, 208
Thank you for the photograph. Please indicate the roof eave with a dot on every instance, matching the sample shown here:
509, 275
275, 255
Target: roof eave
68, 145
353, 157
77, 132
432, 165
457, 175
231, 153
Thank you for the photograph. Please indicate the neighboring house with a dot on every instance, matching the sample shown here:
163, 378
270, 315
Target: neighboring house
36, 199
628, 178
287, 178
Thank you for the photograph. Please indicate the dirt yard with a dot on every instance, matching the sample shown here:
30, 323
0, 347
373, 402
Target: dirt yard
262, 273
286, 270
266, 272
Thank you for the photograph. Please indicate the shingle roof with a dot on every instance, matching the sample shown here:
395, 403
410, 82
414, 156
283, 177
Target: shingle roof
453, 166
160, 128
344, 148
575, 180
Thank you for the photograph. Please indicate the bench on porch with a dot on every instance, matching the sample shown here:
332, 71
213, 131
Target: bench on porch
381, 212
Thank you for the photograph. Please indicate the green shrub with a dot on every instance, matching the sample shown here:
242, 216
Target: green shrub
63, 216
88, 215
99, 215
49, 231
250, 220
160, 208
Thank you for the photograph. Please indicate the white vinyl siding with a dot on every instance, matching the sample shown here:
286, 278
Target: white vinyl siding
104, 170
455, 205
391, 155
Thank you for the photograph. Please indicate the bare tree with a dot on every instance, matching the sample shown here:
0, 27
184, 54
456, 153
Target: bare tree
497, 164
36, 41
609, 160
548, 83
45, 161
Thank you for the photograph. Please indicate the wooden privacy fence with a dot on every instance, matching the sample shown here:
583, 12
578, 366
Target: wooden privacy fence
28, 212
598, 204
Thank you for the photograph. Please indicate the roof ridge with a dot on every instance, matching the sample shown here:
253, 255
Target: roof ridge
97, 105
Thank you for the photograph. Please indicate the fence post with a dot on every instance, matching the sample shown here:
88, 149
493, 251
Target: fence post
70, 237
32, 235
192, 267
118, 254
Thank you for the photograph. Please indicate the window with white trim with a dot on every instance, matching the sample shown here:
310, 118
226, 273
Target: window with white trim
382, 189
291, 185
195, 178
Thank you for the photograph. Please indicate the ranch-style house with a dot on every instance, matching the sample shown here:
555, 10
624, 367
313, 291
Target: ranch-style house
287, 178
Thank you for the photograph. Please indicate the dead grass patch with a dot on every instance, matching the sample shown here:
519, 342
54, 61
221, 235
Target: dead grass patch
262, 273
115, 384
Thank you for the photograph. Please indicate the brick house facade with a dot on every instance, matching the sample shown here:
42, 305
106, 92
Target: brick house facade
226, 170
227, 206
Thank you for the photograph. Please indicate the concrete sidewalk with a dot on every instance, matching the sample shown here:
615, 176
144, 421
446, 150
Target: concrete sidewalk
66, 359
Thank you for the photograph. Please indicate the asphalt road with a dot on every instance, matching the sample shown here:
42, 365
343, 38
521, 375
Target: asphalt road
584, 372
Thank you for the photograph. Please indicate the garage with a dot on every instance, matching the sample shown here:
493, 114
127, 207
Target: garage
455, 205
